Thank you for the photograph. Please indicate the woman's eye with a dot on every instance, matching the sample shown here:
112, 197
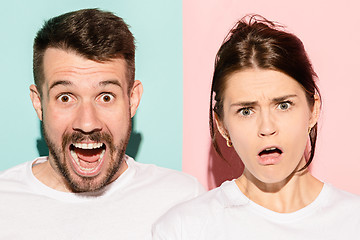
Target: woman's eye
284, 106
245, 111
107, 97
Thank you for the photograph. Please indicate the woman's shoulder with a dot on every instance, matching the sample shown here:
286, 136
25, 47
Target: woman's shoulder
340, 199
341, 195
192, 215
205, 206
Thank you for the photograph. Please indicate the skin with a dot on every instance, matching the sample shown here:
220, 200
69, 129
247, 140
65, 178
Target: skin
85, 98
262, 109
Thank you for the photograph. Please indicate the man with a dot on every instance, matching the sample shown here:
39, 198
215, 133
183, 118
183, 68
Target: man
85, 96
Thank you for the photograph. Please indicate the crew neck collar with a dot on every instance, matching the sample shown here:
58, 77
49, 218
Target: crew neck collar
42, 189
233, 198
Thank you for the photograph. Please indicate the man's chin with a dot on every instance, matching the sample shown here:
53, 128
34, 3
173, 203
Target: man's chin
87, 162
86, 184
91, 181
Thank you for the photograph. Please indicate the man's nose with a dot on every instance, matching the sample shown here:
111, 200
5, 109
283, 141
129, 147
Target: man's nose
87, 119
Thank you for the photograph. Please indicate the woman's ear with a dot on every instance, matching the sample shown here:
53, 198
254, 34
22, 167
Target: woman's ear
36, 100
315, 114
221, 128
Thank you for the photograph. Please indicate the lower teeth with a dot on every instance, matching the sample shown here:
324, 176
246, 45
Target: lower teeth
75, 157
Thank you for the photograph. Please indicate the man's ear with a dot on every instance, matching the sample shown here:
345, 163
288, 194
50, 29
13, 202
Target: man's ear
36, 100
221, 128
315, 114
135, 96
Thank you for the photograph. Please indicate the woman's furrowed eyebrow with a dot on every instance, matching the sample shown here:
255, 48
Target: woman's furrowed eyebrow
254, 103
283, 98
244, 104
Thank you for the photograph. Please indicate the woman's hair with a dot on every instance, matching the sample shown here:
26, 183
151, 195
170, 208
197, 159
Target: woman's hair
255, 42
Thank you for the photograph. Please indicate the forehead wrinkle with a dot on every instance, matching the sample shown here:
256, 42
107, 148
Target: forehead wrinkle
257, 103
76, 70
91, 73
273, 100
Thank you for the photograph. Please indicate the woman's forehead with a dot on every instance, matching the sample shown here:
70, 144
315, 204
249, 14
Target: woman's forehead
258, 83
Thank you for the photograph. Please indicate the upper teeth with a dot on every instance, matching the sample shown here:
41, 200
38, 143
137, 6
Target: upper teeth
88, 145
270, 149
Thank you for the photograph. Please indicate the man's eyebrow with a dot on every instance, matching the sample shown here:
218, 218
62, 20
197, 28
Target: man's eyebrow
60, 82
110, 82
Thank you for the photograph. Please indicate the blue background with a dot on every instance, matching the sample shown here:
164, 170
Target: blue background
157, 27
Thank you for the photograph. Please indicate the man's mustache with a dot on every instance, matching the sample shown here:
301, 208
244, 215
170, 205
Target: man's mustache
80, 137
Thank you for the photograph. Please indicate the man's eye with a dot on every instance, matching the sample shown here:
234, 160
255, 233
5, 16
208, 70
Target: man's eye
284, 106
64, 98
106, 98
245, 111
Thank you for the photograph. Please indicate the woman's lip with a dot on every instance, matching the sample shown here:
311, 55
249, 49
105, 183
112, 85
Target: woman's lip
270, 147
269, 159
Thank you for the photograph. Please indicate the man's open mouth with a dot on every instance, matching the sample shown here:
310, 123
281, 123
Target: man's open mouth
88, 156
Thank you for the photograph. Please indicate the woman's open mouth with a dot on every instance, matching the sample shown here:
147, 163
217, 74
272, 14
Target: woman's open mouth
270, 156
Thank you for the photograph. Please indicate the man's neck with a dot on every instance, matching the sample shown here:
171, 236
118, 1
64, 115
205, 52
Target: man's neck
45, 173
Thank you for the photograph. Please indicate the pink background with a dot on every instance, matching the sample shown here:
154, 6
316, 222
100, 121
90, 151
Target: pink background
331, 34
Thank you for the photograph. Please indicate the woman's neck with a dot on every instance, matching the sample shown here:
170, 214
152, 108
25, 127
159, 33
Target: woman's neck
297, 191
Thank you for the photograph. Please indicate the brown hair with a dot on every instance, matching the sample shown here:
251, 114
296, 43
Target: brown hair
94, 34
255, 42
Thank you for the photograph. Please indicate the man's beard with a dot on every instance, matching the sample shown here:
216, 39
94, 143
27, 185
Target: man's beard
78, 183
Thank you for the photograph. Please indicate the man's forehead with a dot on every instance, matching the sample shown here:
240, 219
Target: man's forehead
56, 57
102, 84
66, 68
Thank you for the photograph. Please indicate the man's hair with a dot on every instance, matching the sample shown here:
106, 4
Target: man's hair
94, 34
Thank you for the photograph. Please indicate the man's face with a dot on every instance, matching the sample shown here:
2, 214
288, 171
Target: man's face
85, 111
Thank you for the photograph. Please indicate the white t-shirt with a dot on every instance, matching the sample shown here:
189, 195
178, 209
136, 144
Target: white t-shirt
226, 213
125, 209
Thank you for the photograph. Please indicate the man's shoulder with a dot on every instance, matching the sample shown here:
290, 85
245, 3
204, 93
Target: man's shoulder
14, 173
15, 178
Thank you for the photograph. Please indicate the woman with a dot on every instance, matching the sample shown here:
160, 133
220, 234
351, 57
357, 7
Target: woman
266, 105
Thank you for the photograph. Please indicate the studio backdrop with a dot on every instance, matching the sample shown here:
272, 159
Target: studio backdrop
176, 46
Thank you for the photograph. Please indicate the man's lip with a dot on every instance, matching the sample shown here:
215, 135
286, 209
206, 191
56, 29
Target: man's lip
87, 171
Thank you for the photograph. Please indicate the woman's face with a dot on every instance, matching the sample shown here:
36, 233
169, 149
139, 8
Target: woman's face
267, 117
